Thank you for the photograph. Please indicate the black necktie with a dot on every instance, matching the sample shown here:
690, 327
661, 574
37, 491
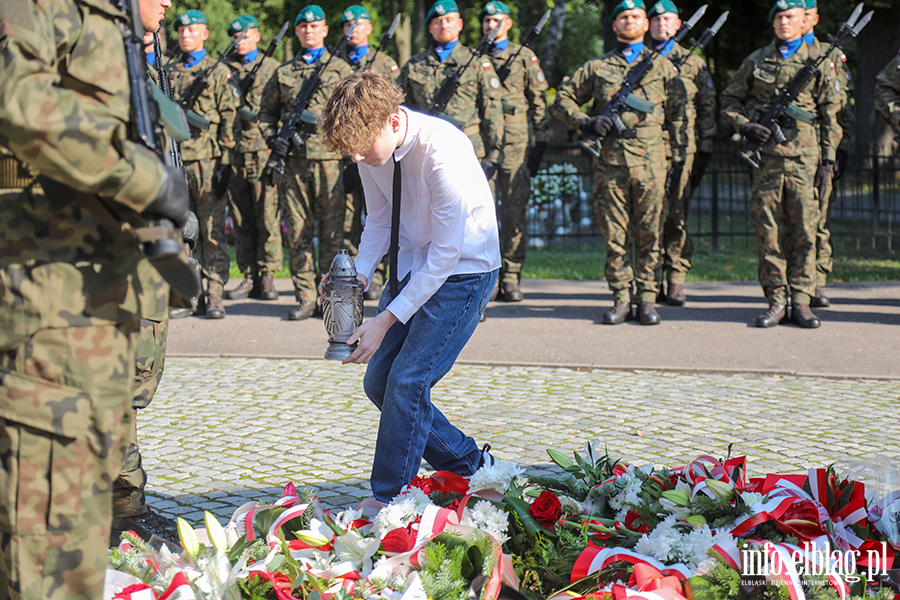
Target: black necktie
395, 230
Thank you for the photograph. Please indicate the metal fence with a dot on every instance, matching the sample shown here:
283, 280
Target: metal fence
865, 204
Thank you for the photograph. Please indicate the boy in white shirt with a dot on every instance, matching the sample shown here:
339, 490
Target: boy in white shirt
448, 261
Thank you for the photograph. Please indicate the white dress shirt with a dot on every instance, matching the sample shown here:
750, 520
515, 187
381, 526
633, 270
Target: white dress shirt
448, 223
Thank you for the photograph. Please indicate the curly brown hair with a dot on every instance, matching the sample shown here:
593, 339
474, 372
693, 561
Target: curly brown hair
358, 111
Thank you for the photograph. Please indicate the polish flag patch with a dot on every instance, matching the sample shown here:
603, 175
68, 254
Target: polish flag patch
394, 69
534, 59
486, 65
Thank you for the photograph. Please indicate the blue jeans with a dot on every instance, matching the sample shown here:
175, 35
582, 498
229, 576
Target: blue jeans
412, 358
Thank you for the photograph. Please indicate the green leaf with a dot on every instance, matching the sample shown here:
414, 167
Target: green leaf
234, 553
275, 563
523, 512
572, 469
559, 458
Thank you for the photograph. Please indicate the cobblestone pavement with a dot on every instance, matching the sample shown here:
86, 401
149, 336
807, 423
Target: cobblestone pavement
224, 431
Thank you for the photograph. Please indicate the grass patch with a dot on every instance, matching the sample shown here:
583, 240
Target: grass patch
586, 262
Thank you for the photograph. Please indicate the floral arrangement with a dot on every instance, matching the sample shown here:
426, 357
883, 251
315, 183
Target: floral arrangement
554, 182
603, 530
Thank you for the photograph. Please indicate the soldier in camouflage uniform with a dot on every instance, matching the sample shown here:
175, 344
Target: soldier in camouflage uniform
784, 201
887, 94
630, 174
524, 109
312, 200
476, 106
359, 54
69, 287
843, 84
676, 248
207, 155
257, 220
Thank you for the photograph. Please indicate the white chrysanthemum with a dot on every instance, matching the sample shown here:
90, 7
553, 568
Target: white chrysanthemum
346, 517
489, 518
660, 542
399, 513
419, 497
498, 476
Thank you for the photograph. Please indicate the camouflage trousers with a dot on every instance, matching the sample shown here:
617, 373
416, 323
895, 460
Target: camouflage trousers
676, 247
65, 394
784, 207
356, 204
513, 189
257, 220
824, 249
211, 251
628, 204
129, 499
312, 204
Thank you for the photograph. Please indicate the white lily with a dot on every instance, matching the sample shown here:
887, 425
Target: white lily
357, 549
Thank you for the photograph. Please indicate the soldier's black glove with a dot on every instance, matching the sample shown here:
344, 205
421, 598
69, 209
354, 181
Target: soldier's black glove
279, 145
534, 157
674, 176
823, 173
172, 200
190, 232
296, 140
351, 177
490, 168
596, 126
756, 133
701, 161
221, 178
840, 163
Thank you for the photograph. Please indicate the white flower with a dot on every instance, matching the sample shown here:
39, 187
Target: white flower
498, 477
419, 497
346, 517
399, 513
489, 518
752, 498
357, 549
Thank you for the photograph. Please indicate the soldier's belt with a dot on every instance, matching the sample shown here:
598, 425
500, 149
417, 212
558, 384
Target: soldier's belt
633, 133
14, 174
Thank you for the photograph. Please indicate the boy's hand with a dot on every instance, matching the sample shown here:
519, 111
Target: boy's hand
370, 335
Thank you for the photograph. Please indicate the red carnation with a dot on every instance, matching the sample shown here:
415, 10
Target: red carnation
546, 509
423, 483
630, 517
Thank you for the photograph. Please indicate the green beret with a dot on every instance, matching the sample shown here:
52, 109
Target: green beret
783, 5
242, 23
441, 8
352, 13
310, 14
626, 5
191, 17
662, 7
493, 8
811, 4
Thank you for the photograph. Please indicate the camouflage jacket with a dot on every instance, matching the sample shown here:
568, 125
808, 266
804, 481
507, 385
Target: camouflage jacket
600, 78
218, 104
701, 106
384, 64
758, 83
523, 95
247, 133
887, 94
65, 81
477, 101
843, 83
281, 94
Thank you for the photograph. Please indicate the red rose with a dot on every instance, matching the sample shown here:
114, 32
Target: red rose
546, 509
423, 483
630, 517
801, 519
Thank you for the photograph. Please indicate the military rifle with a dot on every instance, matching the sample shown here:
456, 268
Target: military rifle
154, 115
700, 44
193, 91
165, 84
247, 82
448, 87
505, 68
784, 105
385, 39
625, 97
274, 170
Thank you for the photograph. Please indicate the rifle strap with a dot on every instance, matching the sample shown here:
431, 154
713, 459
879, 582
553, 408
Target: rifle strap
395, 230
